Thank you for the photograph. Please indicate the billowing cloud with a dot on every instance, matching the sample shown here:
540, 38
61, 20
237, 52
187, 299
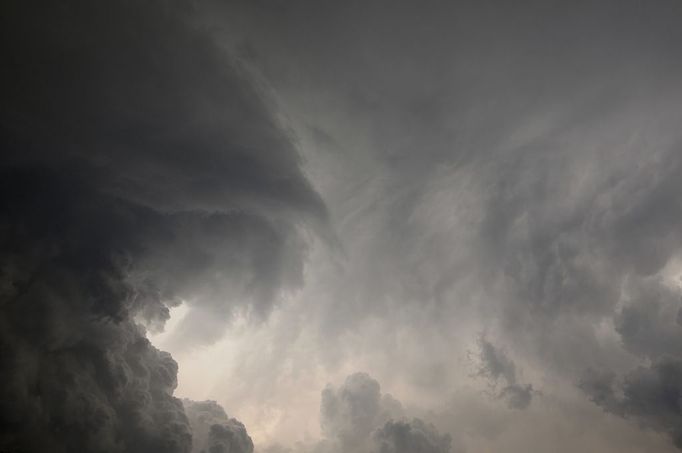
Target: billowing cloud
350, 413
141, 168
651, 394
213, 431
509, 169
504, 168
410, 437
357, 418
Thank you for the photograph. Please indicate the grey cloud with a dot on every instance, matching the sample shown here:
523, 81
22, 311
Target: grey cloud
523, 159
648, 322
351, 412
511, 167
141, 166
144, 107
410, 437
213, 431
500, 100
517, 396
651, 395
357, 418
496, 365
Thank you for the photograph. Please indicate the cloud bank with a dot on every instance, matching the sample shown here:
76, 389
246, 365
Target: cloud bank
141, 168
512, 169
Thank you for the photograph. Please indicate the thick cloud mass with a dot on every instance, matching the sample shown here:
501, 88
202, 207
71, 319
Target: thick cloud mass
213, 431
651, 394
357, 418
140, 168
505, 168
410, 437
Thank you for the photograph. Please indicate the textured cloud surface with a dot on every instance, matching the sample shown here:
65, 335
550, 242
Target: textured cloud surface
140, 168
497, 168
280, 194
357, 418
213, 431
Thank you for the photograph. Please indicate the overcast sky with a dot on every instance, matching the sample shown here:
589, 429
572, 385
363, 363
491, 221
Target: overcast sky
341, 227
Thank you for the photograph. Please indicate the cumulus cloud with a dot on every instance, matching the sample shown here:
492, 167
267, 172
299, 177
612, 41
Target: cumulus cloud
141, 167
410, 437
350, 413
213, 431
357, 418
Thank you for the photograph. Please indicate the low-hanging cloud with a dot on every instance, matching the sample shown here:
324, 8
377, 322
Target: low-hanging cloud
497, 167
141, 168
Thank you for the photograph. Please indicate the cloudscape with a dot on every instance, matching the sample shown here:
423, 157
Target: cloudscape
341, 227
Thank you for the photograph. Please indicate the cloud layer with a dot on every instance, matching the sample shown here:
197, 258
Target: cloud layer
141, 167
495, 176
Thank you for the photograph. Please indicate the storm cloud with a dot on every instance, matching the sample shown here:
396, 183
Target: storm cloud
213, 431
141, 168
283, 193
513, 169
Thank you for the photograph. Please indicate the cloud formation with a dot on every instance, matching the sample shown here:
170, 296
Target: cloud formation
496, 167
213, 431
410, 437
141, 167
496, 365
352, 412
651, 394
357, 418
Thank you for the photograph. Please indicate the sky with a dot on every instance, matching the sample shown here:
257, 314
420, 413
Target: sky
341, 227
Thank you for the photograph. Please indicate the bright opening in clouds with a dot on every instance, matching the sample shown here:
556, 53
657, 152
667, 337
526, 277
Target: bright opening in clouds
341, 227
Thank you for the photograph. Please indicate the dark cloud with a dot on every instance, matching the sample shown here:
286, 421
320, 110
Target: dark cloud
410, 437
79, 374
213, 431
496, 366
648, 322
651, 395
141, 167
507, 168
